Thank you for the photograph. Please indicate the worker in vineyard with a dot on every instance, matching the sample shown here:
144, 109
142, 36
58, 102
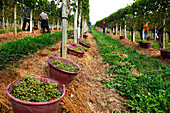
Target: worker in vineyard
146, 29
44, 22
90, 30
103, 25
26, 19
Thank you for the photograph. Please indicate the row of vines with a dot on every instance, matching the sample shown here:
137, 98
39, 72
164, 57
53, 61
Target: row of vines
134, 16
146, 90
60, 12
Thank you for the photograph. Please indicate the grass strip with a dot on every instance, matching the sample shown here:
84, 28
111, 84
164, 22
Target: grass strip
12, 51
147, 91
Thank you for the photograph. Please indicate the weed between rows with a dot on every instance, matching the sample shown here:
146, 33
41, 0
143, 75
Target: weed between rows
145, 91
12, 51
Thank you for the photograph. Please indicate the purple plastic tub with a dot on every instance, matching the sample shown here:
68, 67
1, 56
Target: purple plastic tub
165, 53
108, 32
140, 44
73, 44
60, 75
122, 37
35, 27
20, 106
73, 52
147, 45
85, 36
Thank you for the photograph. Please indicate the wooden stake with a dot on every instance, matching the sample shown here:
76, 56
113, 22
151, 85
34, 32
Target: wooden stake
64, 28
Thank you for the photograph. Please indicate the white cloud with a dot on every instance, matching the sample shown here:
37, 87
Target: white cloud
103, 8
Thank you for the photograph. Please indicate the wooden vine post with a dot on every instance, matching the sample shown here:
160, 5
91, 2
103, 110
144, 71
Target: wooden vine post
116, 28
75, 22
58, 23
155, 35
113, 28
79, 31
15, 22
133, 32
53, 24
142, 34
125, 28
120, 29
3, 18
31, 21
82, 28
21, 22
163, 44
64, 29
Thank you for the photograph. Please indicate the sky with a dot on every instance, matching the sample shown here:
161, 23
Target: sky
100, 9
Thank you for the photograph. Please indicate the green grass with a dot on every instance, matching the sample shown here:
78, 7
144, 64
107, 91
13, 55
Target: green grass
14, 50
4, 31
147, 92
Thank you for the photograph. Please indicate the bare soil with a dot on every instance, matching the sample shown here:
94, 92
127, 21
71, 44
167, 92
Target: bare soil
7, 37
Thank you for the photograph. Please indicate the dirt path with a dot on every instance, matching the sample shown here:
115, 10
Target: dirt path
152, 52
87, 93
7, 37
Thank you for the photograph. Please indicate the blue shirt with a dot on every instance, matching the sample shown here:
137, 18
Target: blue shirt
25, 13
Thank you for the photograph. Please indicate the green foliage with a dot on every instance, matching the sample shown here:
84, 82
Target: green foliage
18, 30
12, 51
32, 90
120, 111
52, 8
138, 13
64, 66
2, 31
121, 69
85, 9
148, 91
167, 49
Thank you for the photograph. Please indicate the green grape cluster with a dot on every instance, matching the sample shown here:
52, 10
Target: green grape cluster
77, 49
64, 66
86, 43
32, 90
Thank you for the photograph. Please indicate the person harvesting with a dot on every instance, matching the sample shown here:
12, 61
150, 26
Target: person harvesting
44, 22
146, 29
103, 25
